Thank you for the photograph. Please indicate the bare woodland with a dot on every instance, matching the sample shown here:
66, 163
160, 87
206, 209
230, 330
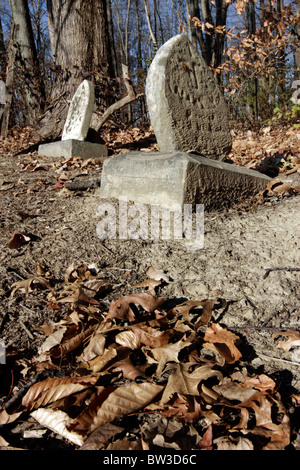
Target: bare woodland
49, 47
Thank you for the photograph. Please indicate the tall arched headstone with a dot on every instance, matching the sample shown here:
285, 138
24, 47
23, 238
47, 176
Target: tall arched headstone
187, 110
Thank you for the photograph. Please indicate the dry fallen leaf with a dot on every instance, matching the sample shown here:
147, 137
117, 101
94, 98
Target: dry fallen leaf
30, 284
100, 437
122, 309
184, 381
292, 341
224, 341
52, 389
156, 273
113, 403
143, 334
168, 353
17, 240
57, 421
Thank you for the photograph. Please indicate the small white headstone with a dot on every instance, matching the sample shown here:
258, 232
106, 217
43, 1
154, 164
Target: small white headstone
2, 92
80, 112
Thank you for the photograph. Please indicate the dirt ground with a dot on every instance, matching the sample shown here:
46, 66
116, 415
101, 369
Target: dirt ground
250, 257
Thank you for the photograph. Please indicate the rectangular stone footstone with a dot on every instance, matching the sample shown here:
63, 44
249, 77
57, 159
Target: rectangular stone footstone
178, 178
73, 148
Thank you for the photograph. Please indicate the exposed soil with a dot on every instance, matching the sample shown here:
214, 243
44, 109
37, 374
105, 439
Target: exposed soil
250, 257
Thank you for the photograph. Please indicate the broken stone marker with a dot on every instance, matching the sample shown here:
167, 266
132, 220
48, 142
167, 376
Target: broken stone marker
189, 115
187, 110
178, 178
73, 142
80, 112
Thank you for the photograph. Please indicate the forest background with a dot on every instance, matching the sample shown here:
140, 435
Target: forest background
48, 47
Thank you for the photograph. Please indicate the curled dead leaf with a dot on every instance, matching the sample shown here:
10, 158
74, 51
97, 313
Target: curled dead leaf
292, 341
156, 273
77, 297
122, 308
17, 240
224, 341
30, 284
144, 334
207, 306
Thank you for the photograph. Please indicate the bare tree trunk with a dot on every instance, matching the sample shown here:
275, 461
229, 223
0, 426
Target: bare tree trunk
81, 49
196, 33
189, 18
251, 26
9, 83
26, 58
3, 54
221, 17
281, 64
207, 51
152, 35
111, 42
297, 53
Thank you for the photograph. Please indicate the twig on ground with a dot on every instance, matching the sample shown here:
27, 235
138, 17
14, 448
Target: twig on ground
26, 329
262, 327
265, 356
3, 320
279, 269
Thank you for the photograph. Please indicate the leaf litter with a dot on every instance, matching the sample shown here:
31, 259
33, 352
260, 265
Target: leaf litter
128, 371
135, 374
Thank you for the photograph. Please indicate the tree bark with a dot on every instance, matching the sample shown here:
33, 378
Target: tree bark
3, 57
297, 52
152, 35
221, 17
196, 33
207, 52
9, 83
26, 59
79, 36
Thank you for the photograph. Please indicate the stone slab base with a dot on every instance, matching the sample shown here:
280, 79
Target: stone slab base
73, 148
178, 178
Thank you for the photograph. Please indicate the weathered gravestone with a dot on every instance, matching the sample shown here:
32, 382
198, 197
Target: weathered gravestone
186, 107
76, 130
188, 114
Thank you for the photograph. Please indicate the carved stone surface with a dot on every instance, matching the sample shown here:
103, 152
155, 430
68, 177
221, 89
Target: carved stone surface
187, 110
80, 112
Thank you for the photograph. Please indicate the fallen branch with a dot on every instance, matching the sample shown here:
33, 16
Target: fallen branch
279, 269
131, 96
285, 361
